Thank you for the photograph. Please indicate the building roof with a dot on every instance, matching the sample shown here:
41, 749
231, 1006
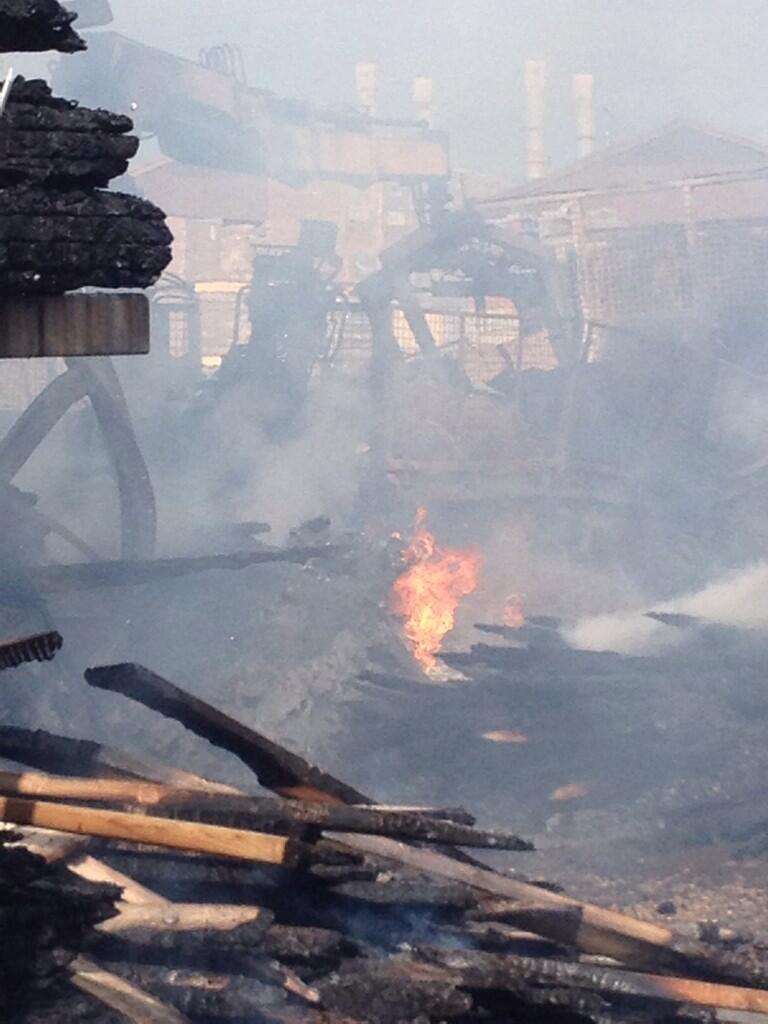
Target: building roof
677, 152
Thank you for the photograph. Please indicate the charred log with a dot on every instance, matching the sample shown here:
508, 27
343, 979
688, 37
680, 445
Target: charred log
392, 992
52, 242
49, 141
275, 767
127, 573
35, 25
279, 816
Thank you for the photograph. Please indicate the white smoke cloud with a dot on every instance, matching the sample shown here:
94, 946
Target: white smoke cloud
739, 599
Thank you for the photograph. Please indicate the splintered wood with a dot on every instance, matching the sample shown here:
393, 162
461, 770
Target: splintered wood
358, 917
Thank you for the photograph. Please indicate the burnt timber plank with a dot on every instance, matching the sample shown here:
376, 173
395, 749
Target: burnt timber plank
79, 324
276, 768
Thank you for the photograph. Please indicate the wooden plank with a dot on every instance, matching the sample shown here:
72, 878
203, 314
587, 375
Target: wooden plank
481, 971
133, 894
138, 828
120, 995
264, 815
78, 324
594, 930
180, 917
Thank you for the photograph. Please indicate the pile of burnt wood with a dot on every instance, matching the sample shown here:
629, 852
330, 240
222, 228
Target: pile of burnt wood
143, 892
59, 230
688, 713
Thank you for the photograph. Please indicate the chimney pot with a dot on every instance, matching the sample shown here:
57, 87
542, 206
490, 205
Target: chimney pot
535, 89
367, 82
584, 101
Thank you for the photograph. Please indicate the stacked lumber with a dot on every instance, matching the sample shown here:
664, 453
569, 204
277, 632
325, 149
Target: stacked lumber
322, 905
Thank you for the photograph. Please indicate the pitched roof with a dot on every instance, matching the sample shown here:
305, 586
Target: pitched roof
680, 150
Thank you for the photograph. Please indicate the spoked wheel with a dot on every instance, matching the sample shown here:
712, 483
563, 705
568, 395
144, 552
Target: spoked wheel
94, 379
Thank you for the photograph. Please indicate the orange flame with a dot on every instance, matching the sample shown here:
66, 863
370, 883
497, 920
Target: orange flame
505, 736
428, 593
573, 791
514, 615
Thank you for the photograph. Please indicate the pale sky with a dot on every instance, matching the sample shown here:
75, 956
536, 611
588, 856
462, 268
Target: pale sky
653, 59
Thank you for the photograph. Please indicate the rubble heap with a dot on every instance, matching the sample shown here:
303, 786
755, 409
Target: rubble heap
323, 906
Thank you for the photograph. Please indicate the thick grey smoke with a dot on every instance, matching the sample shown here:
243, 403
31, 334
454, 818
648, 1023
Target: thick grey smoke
239, 474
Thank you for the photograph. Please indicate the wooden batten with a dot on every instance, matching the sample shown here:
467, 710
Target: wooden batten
136, 828
78, 324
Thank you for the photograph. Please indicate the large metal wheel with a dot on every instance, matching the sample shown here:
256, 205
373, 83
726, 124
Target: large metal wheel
94, 379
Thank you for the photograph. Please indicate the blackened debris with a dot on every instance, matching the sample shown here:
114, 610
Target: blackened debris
50, 914
46, 139
53, 242
29, 26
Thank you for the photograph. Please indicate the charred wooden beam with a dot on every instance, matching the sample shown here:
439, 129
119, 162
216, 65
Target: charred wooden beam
532, 917
604, 932
127, 999
391, 991
276, 768
132, 894
38, 647
167, 916
294, 944
479, 970
524, 658
399, 892
63, 754
259, 813
493, 937
458, 815
89, 575
676, 619
274, 815
534, 636
103, 790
